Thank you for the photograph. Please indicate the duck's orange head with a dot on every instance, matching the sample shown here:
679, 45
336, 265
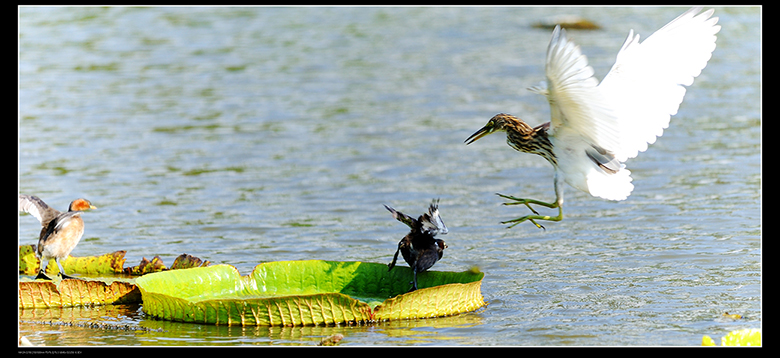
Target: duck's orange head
80, 205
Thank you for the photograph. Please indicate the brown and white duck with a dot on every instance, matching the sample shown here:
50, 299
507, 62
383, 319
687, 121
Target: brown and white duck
60, 232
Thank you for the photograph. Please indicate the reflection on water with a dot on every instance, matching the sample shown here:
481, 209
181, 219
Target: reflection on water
128, 327
245, 135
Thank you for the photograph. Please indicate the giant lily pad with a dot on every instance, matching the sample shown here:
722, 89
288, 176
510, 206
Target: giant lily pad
291, 293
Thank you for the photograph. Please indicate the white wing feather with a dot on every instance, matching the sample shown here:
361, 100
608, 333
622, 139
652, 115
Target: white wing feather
645, 85
634, 102
576, 102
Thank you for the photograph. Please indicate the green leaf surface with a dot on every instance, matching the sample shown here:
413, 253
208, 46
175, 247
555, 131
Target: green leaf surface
285, 293
109, 263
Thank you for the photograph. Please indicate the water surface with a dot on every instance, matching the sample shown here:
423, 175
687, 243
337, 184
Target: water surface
246, 135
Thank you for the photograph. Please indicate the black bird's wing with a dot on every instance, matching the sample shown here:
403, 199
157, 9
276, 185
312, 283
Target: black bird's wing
406, 219
431, 222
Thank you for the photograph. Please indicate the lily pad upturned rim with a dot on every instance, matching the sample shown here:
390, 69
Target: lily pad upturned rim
307, 292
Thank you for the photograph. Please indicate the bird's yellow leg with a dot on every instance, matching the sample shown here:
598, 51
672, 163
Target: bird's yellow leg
536, 216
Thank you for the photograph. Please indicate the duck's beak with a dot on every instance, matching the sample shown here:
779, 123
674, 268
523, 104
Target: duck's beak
479, 134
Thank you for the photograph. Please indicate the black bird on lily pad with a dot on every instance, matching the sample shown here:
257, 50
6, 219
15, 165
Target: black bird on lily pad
420, 248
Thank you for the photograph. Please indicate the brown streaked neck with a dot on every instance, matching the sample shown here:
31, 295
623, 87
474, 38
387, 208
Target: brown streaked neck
527, 139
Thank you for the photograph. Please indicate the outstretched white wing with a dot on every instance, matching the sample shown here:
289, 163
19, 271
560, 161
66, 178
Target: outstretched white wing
576, 102
645, 85
634, 102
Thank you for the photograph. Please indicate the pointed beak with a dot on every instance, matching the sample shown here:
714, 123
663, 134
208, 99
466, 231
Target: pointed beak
479, 134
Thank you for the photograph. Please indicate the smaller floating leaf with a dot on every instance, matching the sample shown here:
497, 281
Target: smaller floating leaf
744, 337
70, 292
107, 263
185, 261
146, 266
732, 316
29, 264
567, 22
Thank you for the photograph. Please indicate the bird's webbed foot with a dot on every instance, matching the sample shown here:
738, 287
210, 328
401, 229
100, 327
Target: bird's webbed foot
64, 276
42, 276
535, 216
